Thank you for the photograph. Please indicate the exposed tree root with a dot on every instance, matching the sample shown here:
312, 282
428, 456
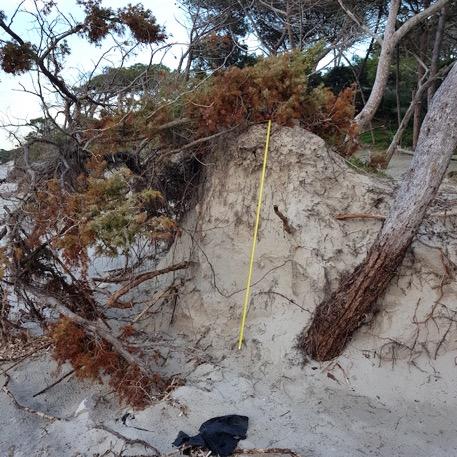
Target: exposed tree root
26, 408
129, 441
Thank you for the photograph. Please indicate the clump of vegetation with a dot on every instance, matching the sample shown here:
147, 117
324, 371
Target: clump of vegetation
93, 358
275, 88
104, 213
125, 175
16, 58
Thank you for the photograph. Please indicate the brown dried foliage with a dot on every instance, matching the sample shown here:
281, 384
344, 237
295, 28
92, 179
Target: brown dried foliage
142, 24
99, 21
277, 89
93, 358
16, 58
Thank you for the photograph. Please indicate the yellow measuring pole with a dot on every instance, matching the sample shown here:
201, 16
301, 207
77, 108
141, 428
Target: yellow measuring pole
254, 240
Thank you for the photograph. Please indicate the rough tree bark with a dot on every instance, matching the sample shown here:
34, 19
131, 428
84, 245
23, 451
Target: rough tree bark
338, 317
388, 43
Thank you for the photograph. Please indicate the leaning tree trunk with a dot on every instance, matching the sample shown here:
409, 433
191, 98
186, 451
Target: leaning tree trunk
423, 50
389, 41
436, 53
338, 317
382, 71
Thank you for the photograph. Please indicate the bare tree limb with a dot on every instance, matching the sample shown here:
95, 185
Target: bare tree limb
363, 26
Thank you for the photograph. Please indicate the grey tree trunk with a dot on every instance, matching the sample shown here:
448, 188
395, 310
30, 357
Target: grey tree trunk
382, 72
337, 318
436, 53
388, 43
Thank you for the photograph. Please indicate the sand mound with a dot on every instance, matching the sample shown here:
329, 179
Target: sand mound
390, 394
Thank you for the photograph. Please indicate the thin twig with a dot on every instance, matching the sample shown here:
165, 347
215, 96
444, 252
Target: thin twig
54, 383
142, 278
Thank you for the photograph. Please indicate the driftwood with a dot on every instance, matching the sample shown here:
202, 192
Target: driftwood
272, 450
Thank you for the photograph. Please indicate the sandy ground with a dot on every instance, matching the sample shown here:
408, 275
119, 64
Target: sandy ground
392, 393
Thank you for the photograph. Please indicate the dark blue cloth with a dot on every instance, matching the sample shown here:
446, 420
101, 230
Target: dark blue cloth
220, 435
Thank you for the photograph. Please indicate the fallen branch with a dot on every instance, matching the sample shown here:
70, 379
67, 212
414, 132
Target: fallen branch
26, 408
380, 217
130, 441
137, 280
345, 216
272, 450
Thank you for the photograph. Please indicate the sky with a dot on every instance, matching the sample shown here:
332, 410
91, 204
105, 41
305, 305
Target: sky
16, 106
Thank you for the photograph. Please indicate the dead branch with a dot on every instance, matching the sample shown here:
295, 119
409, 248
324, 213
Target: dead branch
380, 217
345, 216
169, 291
197, 142
273, 450
130, 441
27, 408
174, 123
142, 278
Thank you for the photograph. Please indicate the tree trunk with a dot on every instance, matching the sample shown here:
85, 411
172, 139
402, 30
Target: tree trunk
355, 300
423, 49
390, 40
436, 54
382, 72
397, 85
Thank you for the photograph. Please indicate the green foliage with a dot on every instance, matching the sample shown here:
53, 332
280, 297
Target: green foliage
381, 137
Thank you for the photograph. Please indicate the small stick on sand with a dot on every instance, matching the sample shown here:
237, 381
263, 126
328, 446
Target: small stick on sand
272, 450
131, 441
54, 383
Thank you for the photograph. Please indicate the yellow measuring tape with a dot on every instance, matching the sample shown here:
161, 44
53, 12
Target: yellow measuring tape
254, 240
